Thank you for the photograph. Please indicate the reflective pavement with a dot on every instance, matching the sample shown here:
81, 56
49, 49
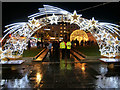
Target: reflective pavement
55, 72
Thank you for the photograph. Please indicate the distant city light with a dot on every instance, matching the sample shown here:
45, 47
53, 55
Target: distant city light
52, 37
46, 29
60, 38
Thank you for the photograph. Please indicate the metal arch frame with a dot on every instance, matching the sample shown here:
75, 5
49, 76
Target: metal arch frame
101, 31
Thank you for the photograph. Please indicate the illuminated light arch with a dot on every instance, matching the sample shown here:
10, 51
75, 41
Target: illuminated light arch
101, 31
79, 35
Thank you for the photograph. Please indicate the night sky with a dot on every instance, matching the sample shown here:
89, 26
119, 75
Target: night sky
13, 12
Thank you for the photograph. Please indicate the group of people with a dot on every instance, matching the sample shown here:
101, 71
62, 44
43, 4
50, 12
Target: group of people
63, 46
82, 43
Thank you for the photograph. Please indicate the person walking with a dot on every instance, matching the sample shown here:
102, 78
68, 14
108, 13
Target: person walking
54, 45
49, 47
68, 44
62, 47
29, 45
56, 52
38, 44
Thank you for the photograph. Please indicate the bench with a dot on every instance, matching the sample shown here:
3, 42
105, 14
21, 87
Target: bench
77, 55
41, 56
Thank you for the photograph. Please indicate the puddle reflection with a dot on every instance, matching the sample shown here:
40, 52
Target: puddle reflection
65, 64
38, 78
83, 67
103, 69
13, 68
109, 78
16, 83
66, 71
108, 82
80, 65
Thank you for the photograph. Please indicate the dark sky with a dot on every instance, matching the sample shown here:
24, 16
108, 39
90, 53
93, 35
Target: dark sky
19, 11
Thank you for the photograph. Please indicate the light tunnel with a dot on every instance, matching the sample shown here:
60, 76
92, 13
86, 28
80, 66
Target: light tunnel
102, 32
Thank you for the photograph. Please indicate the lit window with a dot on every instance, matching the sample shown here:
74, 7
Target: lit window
60, 34
60, 27
61, 31
64, 27
52, 27
64, 31
60, 24
64, 24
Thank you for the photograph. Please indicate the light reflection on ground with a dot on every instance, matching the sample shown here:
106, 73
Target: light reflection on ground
108, 82
16, 83
67, 73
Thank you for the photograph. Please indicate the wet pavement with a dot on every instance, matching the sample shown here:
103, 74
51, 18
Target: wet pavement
55, 72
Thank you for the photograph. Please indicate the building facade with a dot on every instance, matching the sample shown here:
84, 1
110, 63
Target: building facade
61, 31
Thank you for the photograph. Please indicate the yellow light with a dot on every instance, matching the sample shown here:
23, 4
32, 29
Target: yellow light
13, 68
64, 31
83, 67
38, 78
79, 35
60, 27
52, 37
64, 27
80, 65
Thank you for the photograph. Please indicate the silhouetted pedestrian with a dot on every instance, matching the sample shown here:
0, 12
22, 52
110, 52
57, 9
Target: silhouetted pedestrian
29, 45
92, 42
72, 43
54, 44
77, 43
88, 42
56, 52
38, 44
82, 43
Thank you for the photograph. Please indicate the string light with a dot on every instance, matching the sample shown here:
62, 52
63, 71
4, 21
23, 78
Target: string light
53, 19
75, 17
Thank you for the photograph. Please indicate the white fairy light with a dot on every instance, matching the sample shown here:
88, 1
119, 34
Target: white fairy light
34, 23
15, 24
108, 45
75, 17
53, 19
92, 22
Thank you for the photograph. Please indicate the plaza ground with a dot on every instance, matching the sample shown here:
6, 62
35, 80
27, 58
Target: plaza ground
55, 72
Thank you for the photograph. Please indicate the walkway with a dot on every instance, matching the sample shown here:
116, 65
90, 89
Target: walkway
55, 72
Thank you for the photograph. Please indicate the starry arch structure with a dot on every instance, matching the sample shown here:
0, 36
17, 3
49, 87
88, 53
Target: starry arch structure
108, 45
